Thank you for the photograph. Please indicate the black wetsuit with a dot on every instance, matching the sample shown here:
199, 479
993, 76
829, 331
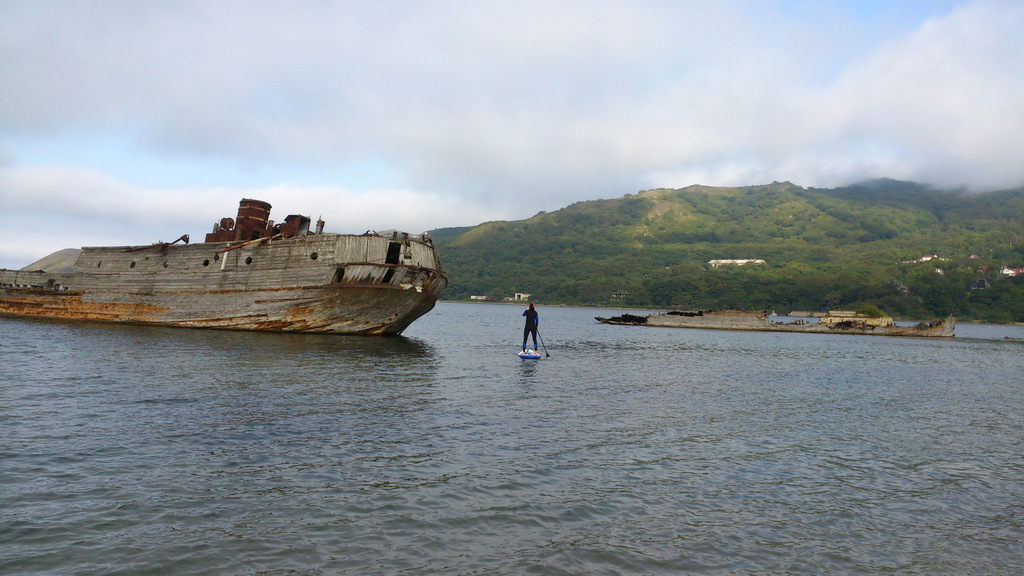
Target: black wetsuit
532, 320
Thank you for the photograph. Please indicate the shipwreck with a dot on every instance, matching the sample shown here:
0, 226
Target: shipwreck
835, 322
249, 274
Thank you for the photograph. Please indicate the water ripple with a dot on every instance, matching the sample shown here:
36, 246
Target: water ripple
627, 451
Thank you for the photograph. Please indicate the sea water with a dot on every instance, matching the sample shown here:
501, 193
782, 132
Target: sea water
624, 450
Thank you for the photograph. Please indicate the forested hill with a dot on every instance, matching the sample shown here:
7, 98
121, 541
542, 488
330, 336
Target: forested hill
822, 249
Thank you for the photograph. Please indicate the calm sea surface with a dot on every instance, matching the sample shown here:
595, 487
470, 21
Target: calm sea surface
628, 450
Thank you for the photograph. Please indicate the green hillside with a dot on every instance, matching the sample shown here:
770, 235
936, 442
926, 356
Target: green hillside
823, 249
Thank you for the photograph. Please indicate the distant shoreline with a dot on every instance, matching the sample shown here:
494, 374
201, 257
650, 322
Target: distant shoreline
654, 308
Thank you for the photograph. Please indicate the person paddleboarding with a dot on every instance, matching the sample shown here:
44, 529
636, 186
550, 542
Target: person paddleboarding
532, 321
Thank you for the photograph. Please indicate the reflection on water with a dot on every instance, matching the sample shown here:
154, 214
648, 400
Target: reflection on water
130, 449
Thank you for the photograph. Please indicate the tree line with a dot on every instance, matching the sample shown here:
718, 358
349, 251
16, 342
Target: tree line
823, 248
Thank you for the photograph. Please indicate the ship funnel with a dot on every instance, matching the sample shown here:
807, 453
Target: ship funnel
252, 215
253, 222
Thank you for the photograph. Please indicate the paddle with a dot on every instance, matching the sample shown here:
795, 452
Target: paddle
546, 355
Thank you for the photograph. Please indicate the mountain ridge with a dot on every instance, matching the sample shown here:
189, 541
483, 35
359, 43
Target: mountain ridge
822, 247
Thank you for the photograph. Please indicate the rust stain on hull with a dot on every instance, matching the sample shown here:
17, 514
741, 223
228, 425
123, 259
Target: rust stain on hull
341, 310
329, 310
48, 304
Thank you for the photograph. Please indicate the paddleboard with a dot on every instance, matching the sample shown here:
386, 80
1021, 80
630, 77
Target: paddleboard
529, 355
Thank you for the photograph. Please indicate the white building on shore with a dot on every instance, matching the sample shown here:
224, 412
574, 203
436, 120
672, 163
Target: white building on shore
717, 263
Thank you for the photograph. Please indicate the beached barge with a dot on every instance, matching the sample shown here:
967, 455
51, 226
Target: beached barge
835, 322
249, 274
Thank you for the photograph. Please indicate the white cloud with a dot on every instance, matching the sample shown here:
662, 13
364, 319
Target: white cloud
465, 112
43, 210
951, 94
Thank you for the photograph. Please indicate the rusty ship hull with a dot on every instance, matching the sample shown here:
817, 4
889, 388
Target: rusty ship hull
263, 280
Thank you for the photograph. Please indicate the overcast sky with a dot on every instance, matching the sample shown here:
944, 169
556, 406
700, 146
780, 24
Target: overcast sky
132, 122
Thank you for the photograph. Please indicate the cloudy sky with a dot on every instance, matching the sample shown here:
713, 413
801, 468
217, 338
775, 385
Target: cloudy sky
137, 121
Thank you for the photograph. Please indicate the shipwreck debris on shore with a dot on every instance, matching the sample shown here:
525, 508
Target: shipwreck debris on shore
834, 322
